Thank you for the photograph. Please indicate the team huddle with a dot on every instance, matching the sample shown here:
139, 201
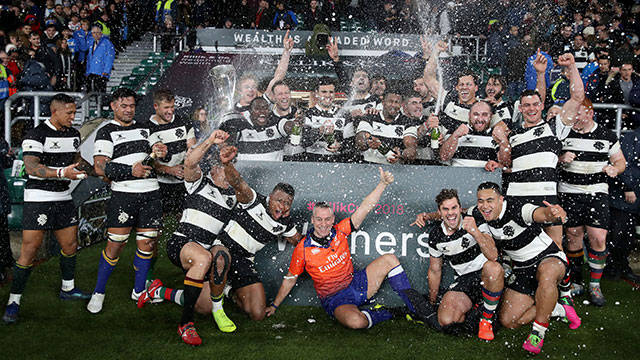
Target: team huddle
158, 169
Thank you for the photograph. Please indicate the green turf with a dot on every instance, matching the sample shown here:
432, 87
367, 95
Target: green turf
50, 328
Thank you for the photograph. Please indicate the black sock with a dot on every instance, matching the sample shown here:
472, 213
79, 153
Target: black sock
192, 288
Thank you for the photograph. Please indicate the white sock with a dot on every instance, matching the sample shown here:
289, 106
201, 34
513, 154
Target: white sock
217, 305
558, 311
14, 298
68, 285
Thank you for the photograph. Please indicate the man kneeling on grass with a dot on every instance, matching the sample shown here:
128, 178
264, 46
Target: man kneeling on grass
324, 254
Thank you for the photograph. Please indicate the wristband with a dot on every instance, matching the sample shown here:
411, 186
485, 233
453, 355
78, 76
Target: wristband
59, 172
274, 306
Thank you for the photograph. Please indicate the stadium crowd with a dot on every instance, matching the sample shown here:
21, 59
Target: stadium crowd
565, 175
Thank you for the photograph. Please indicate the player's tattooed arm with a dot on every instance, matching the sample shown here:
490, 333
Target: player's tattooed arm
33, 167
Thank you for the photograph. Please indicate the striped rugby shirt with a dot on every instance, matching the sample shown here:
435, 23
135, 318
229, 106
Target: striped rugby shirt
515, 233
474, 149
127, 145
584, 174
343, 132
207, 211
252, 227
175, 135
534, 157
460, 249
256, 142
56, 149
390, 134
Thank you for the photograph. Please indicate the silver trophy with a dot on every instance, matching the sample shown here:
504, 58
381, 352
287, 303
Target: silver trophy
223, 78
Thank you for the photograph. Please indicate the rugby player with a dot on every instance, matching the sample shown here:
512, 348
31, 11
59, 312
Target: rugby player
51, 160
120, 148
538, 263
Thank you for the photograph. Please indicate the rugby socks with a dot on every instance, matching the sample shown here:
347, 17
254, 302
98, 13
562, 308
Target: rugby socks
375, 316
217, 301
490, 303
558, 311
565, 286
597, 262
141, 264
20, 276
105, 268
576, 260
67, 270
192, 288
175, 295
400, 283
150, 273
540, 329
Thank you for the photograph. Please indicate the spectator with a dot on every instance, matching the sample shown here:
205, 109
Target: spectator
201, 13
200, 123
515, 71
313, 15
243, 15
530, 74
83, 42
51, 35
44, 55
581, 52
284, 18
264, 16
65, 70
99, 61
629, 83
601, 89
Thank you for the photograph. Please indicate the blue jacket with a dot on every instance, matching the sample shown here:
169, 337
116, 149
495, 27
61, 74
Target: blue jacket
101, 60
630, 178
530, 76
287, 16
83, 42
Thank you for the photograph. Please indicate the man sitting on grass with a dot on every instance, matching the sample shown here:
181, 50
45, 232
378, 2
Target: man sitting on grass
324, 254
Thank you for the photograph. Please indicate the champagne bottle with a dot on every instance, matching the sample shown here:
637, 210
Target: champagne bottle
329, 138
296, 134
435, 135
386, 151
149, 160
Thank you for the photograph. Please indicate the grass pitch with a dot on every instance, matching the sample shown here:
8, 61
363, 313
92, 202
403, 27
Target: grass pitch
50, 328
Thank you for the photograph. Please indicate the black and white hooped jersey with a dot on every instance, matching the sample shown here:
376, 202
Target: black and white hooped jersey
127, 145
474, 149
257, 143
390, 134
207, 210
289, 149
342, 125
251, 227
584, 175
367, 102
175, 135
460, 249
534, 157
56, 149
455, 114
503, 111
518, 235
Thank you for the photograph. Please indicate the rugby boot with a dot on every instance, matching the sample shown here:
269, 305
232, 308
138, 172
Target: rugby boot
222, 320
485, 330
571, 315
577, 289
147, 296
533, 344
95, 304
597, 298
73, 294
11, 313
189, 334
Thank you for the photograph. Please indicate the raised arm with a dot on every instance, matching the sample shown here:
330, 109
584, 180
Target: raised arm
571, 106
540, 66
430, 76
283, 65
192, 170
386, 178
244, 194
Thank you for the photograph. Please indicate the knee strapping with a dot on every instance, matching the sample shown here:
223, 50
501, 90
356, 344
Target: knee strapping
218, 277
146, 235
117, 238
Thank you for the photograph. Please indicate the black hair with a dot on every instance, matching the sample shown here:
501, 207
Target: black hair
62, 98
121, 93
488, 185
468, 72
324, 80
530, 93
161, 95
285, 188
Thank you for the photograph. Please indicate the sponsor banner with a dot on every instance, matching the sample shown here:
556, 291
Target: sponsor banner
385, 230
273, 39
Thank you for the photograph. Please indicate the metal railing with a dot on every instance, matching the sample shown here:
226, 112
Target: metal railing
619, 108
83, 104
